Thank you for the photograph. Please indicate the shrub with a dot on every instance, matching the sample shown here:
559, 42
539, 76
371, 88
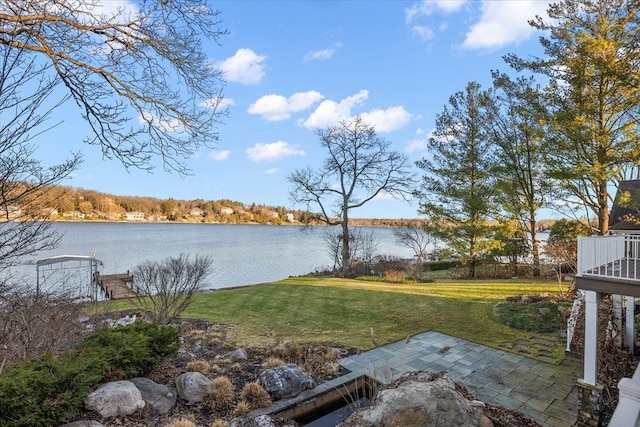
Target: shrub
439, 265
542, 316
395, 276
134, 349
219, 423
45, 391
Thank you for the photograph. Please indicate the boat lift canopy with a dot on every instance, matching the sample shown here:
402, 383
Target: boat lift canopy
93, 264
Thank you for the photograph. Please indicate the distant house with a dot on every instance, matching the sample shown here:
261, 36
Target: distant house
196, 212
134, 216
73, 215
290, 217
610, 265
226, 211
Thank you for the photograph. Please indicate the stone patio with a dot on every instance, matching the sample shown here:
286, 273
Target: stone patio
546, 392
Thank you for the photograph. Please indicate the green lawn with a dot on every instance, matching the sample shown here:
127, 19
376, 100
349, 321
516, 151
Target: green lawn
343, 311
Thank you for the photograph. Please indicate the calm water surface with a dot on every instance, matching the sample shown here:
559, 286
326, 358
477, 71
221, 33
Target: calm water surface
242, 254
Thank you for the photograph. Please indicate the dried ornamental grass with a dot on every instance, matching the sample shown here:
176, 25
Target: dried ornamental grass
272, 362
198, 366
181, 423
220, 393
242, 408
219, 423
255, 396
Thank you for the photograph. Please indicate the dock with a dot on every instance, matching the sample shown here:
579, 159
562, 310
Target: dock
116, 286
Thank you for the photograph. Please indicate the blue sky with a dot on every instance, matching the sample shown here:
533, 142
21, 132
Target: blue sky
292, 67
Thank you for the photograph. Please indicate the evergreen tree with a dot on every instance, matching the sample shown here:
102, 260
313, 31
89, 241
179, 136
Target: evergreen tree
592, 62
457, 189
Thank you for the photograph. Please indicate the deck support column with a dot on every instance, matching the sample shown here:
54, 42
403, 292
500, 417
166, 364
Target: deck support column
630, 323
592, 299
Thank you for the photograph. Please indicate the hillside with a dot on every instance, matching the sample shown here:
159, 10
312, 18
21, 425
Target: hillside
69, 204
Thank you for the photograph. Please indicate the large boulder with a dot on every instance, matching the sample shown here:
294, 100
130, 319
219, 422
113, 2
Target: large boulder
285, 381
115, 399
421, 400
158, 397
261, 421
192, 386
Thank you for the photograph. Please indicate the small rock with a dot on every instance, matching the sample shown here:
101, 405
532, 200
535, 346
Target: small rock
564, 311
158, 397
192, 386
285, 381
544, 311
261, 421
118, 398
238, 355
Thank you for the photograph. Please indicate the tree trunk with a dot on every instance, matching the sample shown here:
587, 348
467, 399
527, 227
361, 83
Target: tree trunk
346, 253
603, 213
535, 249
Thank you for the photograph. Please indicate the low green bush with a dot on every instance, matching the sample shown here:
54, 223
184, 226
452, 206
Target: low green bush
47, 391
438, 265
541, 316
132, 350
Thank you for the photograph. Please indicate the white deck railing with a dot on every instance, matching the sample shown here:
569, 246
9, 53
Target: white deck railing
626, 413
609, 256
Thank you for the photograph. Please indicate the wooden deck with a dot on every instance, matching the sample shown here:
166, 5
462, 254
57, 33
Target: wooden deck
117, 286
625, 268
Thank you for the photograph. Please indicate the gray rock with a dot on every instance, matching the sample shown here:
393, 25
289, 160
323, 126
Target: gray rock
158, 397
420, 401
192, 386
261, 421
238, 355
544, 311
285, 381
118, 398
564, 311
89, 423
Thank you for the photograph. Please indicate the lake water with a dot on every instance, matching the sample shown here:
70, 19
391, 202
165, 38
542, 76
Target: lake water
242, 254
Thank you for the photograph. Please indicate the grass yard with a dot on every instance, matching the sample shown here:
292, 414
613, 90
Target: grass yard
343, 311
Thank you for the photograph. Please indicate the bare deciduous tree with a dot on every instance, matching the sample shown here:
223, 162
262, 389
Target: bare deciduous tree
136, 70
24, 112
358, 168
415, 237
166, 288
34, 324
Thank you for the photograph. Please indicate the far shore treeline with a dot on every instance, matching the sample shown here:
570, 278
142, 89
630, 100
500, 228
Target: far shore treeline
71, 204
76, 204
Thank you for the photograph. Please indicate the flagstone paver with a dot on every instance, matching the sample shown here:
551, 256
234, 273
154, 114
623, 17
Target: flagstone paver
548, 393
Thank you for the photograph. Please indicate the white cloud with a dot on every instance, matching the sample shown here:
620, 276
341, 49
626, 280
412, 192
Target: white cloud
322, 54
272, 152
427, 7
329, 112
217, 102
276, 107
421, 143
272, 171
388, 120
424, 32
219, 155
503, 23
246, 67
